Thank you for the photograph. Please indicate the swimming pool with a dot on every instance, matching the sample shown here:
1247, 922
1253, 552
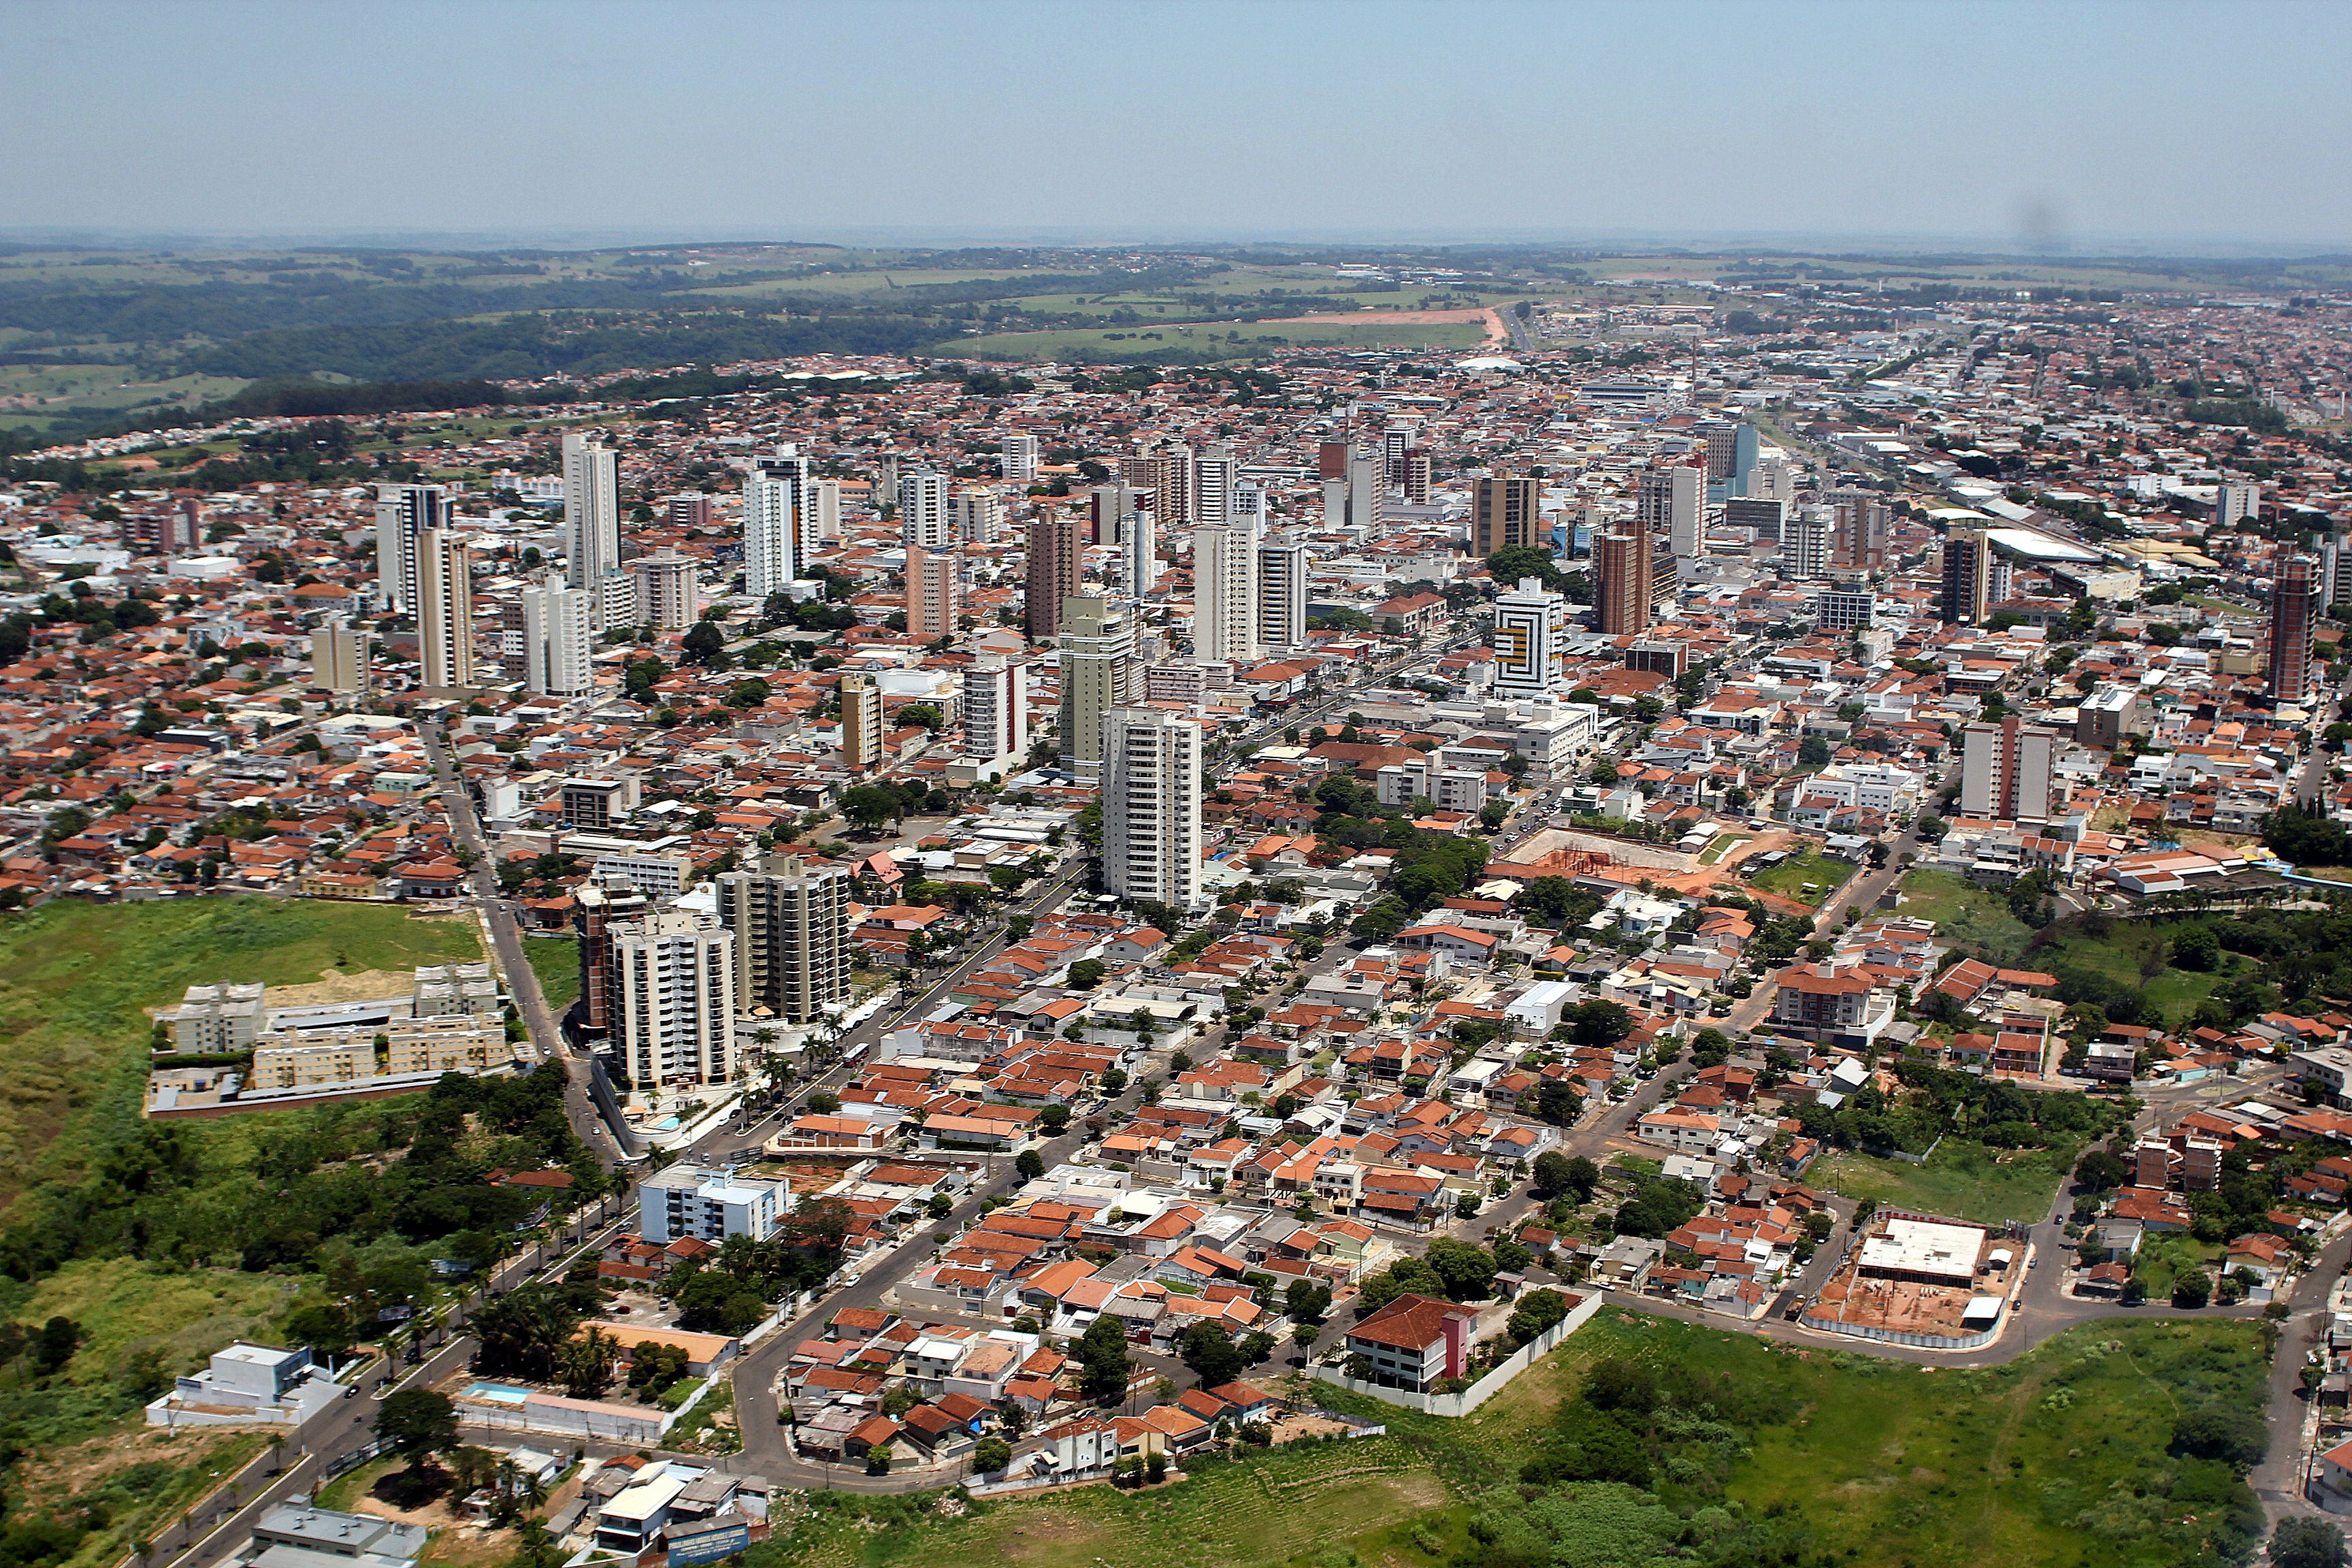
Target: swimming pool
498, 1394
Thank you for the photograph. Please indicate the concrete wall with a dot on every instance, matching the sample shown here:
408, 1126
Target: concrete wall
1486, 1387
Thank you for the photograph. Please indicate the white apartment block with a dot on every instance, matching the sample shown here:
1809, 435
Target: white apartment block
1152, 806
1282, 566
776, 523
923, 511
559, 639
1225, 594
996, 710
1530, 628
708, 1203
673, 988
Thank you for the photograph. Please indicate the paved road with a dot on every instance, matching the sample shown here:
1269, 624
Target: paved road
613, 1145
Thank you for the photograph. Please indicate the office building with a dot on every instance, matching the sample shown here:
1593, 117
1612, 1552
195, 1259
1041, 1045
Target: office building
2294, 607
1529, 636
1018, 459
1860, 526
444, 611
1620, 581
789, 918
996, 710
1667, 506
1761, 515
339, 661
1968, 577
934, 592
1282, 563
673, 996
1772, 478
1805, 545
1055, 556
591, 512
690, 509
2235, 502
559, 639
1658, 657
1720, 438
1844, 609
1225, 594
2005, 770
861, 721
1152, 806
923, 511
1504, 511
404, 514
669, 593
776, 525
1216, 473
1098, 660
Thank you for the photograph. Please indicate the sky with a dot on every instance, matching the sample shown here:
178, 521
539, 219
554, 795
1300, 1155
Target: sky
2040, 126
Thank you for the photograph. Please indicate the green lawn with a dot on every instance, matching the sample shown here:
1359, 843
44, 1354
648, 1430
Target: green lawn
1885, 1464
1961, 1180
1808, 878
2127, 954
1723, 843
556, 961
1965, 913
74, 977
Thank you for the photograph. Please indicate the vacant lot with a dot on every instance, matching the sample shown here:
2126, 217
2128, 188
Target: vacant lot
1807, 876
1961, 1180
1965, 913
555, 959
75, 977
1885, 1462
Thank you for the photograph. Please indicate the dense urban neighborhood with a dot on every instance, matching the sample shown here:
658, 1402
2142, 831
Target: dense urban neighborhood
718, 954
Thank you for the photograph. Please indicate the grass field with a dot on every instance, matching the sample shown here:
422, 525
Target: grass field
62, 387
1808, 878
556, 961
1216, 338
1961, 1180
126, 1305
2127, 954
1886, 1463
74, 977
1722, 845
1965, 913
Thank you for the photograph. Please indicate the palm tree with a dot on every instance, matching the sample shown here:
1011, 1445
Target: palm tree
586, 1363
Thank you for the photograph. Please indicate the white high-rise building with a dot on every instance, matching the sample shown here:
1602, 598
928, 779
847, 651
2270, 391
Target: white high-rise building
592, 510
339, 658
1224, 595
1668, 507
995, 710
1805, 544
1530, 630
1216, 473
670, 591
1250, 510
2236, 501
1139, 538
616, 601
559, 639
1019, 461
776, 523
404, 514
673, 987
444, 611
923, 518
1152, 806
821, 511
2005, 770
1098, 673
979, 516
1282, 563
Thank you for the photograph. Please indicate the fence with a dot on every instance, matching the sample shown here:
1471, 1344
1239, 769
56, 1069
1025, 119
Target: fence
1486, 1387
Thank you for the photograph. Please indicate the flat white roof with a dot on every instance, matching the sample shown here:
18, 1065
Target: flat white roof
1924, 1246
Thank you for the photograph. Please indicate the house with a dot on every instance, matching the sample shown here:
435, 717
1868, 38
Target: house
1414, 1342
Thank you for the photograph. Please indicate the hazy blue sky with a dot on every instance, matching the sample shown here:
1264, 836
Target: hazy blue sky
1156, 119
